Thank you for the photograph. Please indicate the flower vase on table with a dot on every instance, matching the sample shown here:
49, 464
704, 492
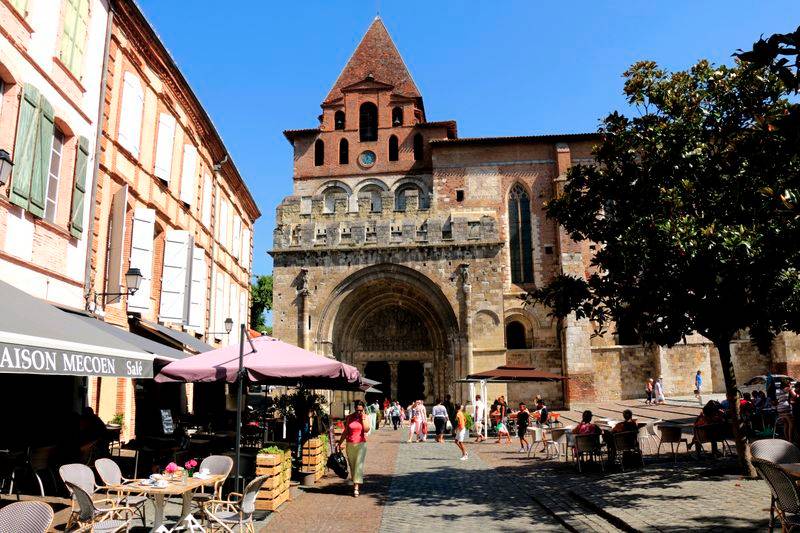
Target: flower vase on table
190, 466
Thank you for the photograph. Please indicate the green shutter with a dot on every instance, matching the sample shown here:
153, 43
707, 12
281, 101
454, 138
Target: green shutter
79, 191
25, 146
21, 6
41, 160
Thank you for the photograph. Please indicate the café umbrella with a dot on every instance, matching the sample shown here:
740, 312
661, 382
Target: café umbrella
263, 360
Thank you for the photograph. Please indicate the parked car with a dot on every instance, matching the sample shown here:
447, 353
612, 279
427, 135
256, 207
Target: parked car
760, 383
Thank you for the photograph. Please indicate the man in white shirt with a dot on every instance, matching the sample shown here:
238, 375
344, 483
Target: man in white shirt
480, 408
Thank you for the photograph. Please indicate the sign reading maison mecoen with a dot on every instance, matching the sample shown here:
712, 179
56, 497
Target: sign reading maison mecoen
22, 359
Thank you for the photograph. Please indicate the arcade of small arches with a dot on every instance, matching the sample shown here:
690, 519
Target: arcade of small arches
374, 189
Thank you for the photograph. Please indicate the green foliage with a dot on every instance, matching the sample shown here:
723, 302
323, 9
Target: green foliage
680, 204
469, 423
270, 450
119, 419
299, 403
260, 301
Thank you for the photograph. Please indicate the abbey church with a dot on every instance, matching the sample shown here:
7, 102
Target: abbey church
404, 251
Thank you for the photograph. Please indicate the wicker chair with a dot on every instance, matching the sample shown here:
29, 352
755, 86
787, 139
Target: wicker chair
588, 446
217, 465
111, 475
672, 435
91, 518
626, 442
775, 451
237, 510
712, 433
82, 476
26, 517
784, 492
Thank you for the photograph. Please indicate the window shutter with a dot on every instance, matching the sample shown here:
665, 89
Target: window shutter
188, 176
236, 246
207, 192
119, 208
245, 261
197, 294
219, 305
164, 145
21, 6
175, 276
79, 189
41, 159
223, 222
130, 119
243, 308
144, 222
25, 146
233, 310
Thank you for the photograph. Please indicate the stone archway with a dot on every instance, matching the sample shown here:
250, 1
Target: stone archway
393, 314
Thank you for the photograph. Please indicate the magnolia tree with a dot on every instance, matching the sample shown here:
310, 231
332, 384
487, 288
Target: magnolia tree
681, 203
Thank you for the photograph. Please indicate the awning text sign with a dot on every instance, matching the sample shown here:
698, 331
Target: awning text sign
22, 359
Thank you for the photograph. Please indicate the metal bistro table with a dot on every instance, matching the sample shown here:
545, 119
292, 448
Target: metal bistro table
184, 488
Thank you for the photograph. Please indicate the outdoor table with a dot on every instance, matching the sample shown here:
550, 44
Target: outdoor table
184, 488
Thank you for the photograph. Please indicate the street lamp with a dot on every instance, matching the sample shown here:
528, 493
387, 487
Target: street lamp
5, 167
228, 325
133, 280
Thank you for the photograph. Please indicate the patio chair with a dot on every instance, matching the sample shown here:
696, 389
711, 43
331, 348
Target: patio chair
82, 476
558, 442
784, 491
237, 510
672, 435
111, 475
711, 433
626, 442
537, 437
643, 436
217, 465
91, 518
774, 451
26, 517
588, 446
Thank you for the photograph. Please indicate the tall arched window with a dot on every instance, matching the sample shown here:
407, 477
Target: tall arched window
338, 120
418, 147
374, 193
400, 197
394, 150
319, 153
515, 336
519, 235
397, 116
344, 152
368, 122
330, 195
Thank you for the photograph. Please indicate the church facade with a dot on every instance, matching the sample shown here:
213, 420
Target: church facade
405, 250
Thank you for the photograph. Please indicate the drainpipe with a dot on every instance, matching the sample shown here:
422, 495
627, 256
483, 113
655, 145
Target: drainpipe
87, 282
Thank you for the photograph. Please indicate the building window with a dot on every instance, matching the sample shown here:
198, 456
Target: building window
319, 153
344, 152
338, 120
374, 194
397, 116
73, 35
419, 149
331, 194
400, 197
459, 195
51, 198
394, 149
519, 233
368, 122
515, 336
130, 116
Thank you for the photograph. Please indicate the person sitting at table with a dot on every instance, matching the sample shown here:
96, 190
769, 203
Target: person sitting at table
628, 423
586, 427
711, 414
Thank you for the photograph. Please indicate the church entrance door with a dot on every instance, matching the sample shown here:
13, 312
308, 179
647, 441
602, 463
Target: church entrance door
378, 371
410, 382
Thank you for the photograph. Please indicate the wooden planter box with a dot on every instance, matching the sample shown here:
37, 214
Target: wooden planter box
273, 504
275, 490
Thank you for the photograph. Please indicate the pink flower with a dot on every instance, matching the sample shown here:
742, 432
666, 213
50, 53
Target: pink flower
190, 464
171, 468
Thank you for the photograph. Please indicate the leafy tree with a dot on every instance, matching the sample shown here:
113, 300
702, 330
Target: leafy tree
260, 301
690, 238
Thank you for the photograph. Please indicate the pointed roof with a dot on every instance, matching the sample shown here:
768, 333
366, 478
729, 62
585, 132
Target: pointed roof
375, 55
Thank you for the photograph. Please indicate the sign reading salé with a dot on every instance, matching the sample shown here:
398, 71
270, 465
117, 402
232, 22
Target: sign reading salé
33, 360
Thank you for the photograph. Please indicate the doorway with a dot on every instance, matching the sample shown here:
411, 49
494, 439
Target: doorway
410, 382
378, 371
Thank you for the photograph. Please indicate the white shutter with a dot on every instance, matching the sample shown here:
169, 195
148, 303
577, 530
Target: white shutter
219, 305
144, 221
115, 240
245, 261
175, 276
233, 310
164, 146
197, 294
243, 307
189, 174
206, 208
223, 223
130, 117
236, 247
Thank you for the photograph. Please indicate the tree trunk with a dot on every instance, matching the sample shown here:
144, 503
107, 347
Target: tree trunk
731, 392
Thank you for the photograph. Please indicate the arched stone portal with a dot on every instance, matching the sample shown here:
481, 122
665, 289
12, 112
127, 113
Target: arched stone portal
393, 314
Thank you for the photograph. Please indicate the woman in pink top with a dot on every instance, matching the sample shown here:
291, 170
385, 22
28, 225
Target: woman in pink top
356, 427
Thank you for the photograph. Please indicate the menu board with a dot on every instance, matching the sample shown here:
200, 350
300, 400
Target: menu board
166, 422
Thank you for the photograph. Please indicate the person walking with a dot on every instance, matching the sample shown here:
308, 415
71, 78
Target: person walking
451, 411
523, 420
412, 420
394, 414
480, 410
356, 427
698, 386
461, 431
648, 390
422, 422
659, 390
439, 420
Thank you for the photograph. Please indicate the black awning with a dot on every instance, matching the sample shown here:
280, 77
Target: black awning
181, 337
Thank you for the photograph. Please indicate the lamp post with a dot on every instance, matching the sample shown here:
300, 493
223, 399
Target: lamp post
133, 279
228, 328
5, 167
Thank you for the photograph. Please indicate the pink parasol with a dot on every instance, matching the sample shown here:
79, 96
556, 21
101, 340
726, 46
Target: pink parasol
266, 360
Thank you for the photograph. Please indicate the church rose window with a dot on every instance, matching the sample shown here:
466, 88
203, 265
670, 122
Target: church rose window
368, 122
519, 235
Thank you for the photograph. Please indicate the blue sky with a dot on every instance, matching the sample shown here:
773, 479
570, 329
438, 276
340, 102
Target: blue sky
499, 68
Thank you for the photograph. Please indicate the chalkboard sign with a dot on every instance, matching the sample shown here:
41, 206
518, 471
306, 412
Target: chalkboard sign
166, 422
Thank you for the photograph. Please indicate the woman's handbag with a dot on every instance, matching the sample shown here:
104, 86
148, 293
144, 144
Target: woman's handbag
338, 463
448, 427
